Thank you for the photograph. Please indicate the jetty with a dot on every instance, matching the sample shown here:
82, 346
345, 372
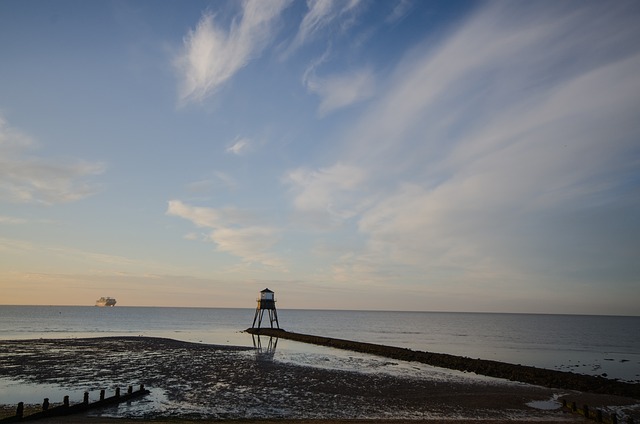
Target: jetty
522, 373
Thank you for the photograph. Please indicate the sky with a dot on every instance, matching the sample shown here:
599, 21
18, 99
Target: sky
350, 154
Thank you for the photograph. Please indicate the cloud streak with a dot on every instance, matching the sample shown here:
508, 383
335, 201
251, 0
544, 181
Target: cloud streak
339, 91
240, 146
233, 232
482, 149
211, 56
27, 178
321, 15
11, 220
326, 192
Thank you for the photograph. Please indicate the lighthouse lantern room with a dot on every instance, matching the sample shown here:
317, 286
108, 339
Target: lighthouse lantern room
266, 302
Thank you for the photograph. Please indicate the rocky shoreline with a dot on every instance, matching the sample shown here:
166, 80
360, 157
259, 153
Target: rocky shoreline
522, 373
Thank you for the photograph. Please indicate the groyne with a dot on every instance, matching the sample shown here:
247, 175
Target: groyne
67, 409
522, 373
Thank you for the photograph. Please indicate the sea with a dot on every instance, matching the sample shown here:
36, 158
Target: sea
608, 346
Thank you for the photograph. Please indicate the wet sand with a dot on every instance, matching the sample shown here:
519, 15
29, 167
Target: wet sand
101, 420
206, 383
93, 420
522, 373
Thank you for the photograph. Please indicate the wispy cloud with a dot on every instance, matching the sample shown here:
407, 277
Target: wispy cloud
12, 220
233, 231
339, 91
489, 144
323, 15
15, 246
27, 178
327, 193
400, 10
212, 55
240, 146
217, 180
62, 253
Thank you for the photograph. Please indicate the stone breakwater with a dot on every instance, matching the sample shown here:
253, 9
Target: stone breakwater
522, 373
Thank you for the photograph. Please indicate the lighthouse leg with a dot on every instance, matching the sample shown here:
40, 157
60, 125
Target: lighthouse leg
260, 318
254, 319
274, 317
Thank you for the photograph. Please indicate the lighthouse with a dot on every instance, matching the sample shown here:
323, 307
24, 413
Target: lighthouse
266, 302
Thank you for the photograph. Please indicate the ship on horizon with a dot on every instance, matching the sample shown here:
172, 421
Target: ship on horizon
106, 301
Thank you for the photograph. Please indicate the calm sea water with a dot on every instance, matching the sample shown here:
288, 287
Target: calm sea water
593, 345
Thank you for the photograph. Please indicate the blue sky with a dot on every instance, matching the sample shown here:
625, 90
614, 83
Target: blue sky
408, 155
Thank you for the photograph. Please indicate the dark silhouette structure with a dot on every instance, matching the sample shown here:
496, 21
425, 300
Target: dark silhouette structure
266, 302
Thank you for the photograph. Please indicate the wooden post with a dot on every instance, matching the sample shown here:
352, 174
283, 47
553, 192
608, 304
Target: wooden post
20, 410
585, 409
117, 392
142, 387
614, 418
102, 394
598, 415
130, 390
65, 401
574, 407
45, 404
85, 400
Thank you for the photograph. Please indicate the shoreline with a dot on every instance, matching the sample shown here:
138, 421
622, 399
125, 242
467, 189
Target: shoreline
523, 373
192, 382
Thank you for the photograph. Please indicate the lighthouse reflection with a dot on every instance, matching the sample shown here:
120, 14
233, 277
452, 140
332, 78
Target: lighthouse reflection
265, 349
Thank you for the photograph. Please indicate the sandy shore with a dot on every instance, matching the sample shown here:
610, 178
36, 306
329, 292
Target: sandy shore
205, 383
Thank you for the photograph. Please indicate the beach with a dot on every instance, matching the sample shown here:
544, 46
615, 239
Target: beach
202, 382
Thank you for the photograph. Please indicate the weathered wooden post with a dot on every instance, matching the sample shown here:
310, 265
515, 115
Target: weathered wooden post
85, 400
142, 387
45, 404
117, 392
614, 418
130, 390
598, 415
20, 410
102, 394
65, 401
585, 409
574, 407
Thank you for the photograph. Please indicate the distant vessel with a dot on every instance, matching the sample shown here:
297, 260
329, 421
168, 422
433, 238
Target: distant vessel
106, 301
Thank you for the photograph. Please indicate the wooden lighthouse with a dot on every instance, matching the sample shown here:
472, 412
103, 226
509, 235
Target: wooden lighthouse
266, 302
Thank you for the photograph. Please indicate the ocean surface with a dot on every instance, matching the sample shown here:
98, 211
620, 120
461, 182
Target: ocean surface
585, 344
